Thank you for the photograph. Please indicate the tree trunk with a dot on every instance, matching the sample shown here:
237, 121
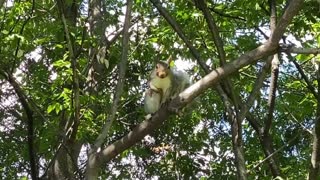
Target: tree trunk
93, 166
65, 165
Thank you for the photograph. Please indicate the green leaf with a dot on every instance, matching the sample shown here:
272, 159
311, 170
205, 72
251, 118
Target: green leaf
50, 108
5, 32
60, 46
20, 53
62, 63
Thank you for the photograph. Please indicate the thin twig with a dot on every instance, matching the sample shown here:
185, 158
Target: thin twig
303, 75
274, 153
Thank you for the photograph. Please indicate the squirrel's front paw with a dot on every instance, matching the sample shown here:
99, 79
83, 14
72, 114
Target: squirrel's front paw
148, 116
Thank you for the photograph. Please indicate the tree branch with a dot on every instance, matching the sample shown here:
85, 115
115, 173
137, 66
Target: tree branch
213, 28
275, 152
303, 75
265, 137
201, 4
295, 50
21, 31
291, 10
75, 75
226, 15
30, 120
256, 88
274, 72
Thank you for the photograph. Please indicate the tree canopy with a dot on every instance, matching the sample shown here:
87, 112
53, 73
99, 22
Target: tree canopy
73, 75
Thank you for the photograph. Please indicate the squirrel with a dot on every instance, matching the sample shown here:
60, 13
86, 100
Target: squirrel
165, 83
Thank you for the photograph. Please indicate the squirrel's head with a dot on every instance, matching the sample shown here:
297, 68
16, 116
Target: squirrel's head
163, 68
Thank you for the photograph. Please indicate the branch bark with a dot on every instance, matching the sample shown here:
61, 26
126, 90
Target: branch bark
256, 88
274, 72
201, 4
295, 50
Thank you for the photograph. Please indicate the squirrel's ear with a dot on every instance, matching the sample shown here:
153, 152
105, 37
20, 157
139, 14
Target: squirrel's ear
170, 61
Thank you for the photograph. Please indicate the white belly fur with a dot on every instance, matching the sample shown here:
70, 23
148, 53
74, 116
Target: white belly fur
164, 84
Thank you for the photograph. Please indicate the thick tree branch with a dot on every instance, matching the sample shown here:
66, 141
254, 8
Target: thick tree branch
237, 144
272, 92
213, 28
221, 72
265, 137
295, 50
274, 72
291, 10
